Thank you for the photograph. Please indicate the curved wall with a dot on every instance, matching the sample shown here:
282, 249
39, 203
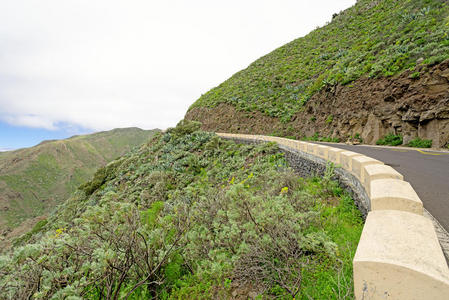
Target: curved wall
398, 255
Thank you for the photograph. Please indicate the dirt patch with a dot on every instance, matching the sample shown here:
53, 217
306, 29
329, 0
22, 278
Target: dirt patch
368, 107
8, 235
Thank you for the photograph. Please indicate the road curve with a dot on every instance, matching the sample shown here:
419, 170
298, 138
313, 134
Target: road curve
426, 170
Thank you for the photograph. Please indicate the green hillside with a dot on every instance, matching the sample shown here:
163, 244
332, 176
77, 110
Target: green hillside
34, 180
191, 216
372, 39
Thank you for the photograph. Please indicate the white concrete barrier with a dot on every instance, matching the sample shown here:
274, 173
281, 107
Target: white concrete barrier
346, 159
322, 151
373, 172
394, 194
359, 162
398, 255
311, 148
334, 155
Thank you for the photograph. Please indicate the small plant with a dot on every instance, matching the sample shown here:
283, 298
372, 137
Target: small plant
329, 139
358, 138
185, 127
313, 119
414, 75
329, 119
390, 139
317, 138
420, 143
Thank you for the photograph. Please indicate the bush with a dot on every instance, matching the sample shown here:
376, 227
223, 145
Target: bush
195, 217
420, 143
317, 138
390, 139
185, 127
415, 75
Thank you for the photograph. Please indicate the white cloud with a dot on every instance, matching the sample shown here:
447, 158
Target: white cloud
107, 63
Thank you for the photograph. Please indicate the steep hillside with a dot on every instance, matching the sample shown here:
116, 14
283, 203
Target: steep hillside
379, 67
191, 216
34, 180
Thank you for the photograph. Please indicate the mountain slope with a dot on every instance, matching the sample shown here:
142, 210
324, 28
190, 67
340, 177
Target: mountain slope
386, 53
34, 180
191, 216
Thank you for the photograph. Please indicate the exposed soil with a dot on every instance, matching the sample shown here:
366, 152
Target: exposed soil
369, 107
8, 235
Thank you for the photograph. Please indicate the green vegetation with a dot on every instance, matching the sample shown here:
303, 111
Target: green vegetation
192, 216
317, 138
372, 38
415, 75
26, 237
420, 143
356, 138
396, 140
390, 139
34, 180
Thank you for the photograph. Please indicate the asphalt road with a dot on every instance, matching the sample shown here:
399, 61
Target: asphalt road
426, 170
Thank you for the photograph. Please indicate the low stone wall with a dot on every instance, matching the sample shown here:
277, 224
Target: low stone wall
398, 256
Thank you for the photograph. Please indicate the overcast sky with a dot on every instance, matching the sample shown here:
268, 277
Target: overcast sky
87, 65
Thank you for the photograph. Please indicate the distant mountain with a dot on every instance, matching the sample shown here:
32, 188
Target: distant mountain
34, 180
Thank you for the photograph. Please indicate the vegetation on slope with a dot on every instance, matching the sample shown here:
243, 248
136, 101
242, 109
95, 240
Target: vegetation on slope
34, 180
191, 216
375, 38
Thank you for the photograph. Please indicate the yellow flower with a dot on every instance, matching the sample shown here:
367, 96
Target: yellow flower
59, 231
284, 190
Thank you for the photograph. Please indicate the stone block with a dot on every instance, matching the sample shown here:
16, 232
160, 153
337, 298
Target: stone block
322, 151
395, 194
358, 162
373, 172
334, 155
399, 257
346, 159
311, 148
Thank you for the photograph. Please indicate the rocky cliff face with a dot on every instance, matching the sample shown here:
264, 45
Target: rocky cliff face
408, 104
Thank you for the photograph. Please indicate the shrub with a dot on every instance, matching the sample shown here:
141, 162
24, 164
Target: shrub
317, 138
185, 127
357, 138
415, 75
390, 139
190, 216
420, 143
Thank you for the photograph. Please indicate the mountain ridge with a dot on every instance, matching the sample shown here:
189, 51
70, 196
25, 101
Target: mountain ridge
33, 180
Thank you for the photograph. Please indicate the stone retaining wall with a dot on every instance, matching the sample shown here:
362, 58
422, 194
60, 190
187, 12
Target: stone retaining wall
398, 256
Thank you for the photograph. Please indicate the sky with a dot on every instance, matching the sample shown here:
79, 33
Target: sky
79, 66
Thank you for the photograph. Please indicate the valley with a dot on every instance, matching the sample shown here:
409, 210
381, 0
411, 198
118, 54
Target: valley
33, 181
